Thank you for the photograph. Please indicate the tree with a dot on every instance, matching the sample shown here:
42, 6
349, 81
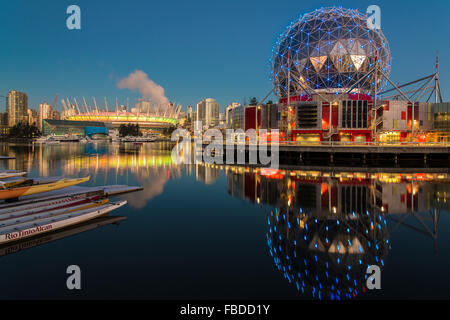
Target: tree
122, 130
24, 131
129, 130
253, 101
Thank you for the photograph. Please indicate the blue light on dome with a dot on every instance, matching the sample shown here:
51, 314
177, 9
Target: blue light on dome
339, 65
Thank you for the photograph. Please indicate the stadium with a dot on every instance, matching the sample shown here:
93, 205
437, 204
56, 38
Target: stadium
116, 119
144, 114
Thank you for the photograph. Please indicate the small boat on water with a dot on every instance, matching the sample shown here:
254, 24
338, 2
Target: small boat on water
50, 204
12, 219
42, 239
67, 194
34, 186
55, 139
28, 226
12, 182
27, 209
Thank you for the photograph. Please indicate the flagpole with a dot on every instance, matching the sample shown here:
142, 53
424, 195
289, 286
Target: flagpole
436, 78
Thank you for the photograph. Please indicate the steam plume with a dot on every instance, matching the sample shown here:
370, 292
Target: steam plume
138, 80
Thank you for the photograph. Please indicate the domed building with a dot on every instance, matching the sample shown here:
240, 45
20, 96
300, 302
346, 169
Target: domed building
329, 50
330, 69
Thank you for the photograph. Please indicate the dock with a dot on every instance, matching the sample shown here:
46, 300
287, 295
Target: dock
404, 155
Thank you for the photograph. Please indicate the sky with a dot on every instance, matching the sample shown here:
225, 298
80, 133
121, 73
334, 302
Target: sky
192, 49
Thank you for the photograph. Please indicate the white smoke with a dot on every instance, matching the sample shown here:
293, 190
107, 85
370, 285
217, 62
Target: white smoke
138, 80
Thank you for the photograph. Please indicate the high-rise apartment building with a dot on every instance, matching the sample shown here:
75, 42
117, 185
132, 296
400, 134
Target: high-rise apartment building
228, 110
32, 117
45, 112
189, 113
208, 112
17, 107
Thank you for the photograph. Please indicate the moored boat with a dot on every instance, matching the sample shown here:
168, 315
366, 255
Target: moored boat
24, 228
42, 239
47, 204
26, 217
21, 211
12, 182
67, 194
4, 174
39, 187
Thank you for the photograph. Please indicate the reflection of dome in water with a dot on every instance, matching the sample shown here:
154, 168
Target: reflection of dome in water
328, 258
329, 49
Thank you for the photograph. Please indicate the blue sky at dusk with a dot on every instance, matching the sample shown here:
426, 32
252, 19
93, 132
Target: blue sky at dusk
193, 49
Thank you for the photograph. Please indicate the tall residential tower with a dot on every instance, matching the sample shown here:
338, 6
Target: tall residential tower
17, 107
208, 112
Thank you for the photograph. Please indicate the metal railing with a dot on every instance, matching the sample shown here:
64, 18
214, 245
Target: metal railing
351, 143
369, 143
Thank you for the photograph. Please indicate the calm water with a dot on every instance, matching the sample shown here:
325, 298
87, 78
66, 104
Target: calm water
206, 232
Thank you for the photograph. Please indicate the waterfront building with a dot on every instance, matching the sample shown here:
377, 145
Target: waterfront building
330, 87
441, 122
190, 118
4, 118
208, 112
228, 110
189, 113
32, 117
236, 118
221, 119
149, 117
4, 128
79, 128
350, 120
17, 107
45, 112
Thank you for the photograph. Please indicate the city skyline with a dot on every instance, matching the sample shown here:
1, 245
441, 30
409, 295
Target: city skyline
259, 151
225, 61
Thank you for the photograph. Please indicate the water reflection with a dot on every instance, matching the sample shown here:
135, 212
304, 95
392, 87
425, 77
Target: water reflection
326, 228
60, 234
323, 227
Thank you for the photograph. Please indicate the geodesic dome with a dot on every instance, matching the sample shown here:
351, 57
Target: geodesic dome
329, 50
327, 258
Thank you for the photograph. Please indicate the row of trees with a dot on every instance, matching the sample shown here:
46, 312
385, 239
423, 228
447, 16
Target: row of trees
24, 131
129, 130
254, 102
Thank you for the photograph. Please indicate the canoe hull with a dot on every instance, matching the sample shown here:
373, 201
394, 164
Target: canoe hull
40, 188
36, 230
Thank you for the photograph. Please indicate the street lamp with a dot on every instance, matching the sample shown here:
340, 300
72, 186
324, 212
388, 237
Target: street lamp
256, 121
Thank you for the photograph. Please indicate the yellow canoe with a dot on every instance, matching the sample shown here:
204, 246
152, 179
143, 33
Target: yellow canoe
19, 191
12, 182
90, 205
